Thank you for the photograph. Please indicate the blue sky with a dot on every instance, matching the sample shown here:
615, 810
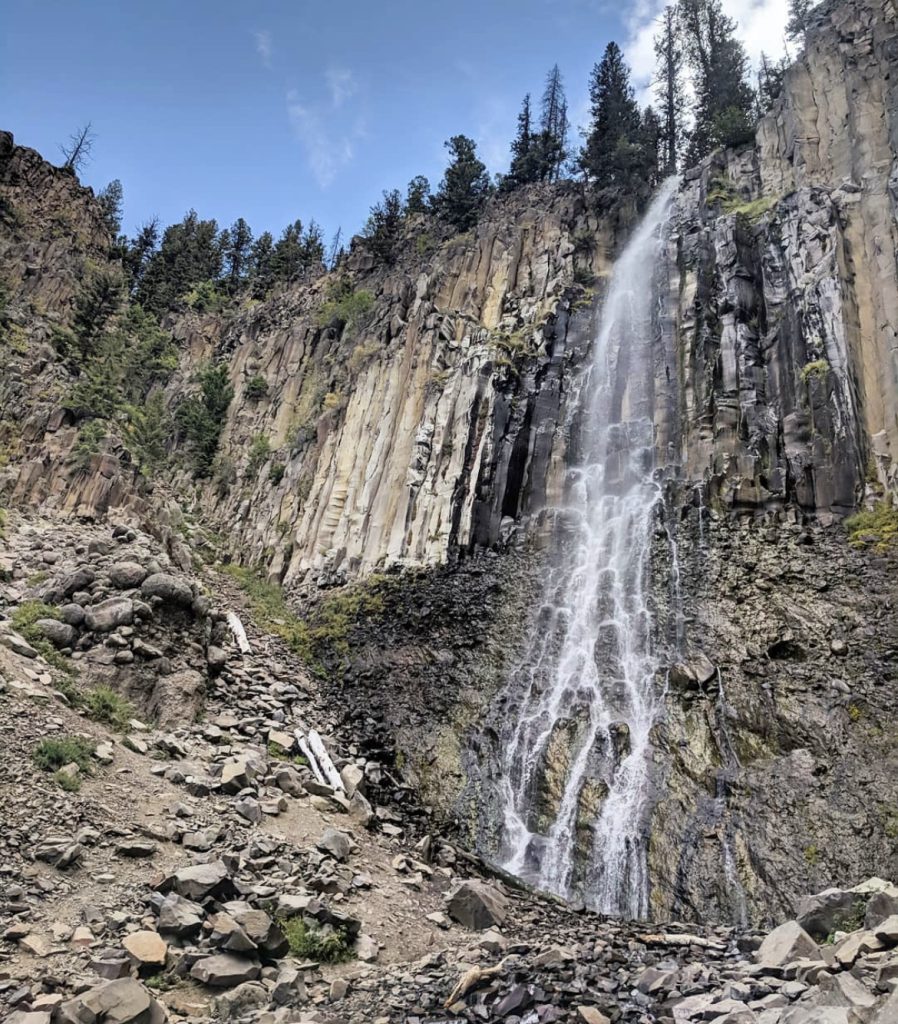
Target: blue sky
288, 108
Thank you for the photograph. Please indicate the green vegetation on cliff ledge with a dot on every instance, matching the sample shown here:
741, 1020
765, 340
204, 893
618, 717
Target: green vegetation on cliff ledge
201, 417
345, 306
325, 633
875, 528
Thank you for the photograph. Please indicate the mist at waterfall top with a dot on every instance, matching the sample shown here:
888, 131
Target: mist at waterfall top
281, 110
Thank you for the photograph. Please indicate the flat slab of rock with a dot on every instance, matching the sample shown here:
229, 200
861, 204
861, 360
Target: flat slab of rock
786, 943
199, 881
146, 947
224, 970
123, 1001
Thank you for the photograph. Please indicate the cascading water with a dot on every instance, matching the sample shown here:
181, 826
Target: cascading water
576, 752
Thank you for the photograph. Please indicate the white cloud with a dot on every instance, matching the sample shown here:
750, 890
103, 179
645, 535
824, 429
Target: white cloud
341, 84
328, 139
761, 26
263, 46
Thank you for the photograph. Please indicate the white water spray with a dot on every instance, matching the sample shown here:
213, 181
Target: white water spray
576, 753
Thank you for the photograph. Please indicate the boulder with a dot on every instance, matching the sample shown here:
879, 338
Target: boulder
179, 916
336, 843
786, 943
224, 970
478, 905
237, 774
123, 1001
127, 575
880, 906
168, 589
239, 1001
199, 881
831, 910
80, 579
109, 615
146, 947
60, 634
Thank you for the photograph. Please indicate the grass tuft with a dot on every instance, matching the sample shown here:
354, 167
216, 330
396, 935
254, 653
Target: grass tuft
58, 751
326, 945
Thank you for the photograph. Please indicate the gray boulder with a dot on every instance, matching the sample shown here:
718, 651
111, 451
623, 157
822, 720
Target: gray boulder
123, 1001
127, 575
786, 943
831, 910
179, 916
80, 579
199, 881
225, 970
109, 615
336, 843
477, 905
60, 634
169, 589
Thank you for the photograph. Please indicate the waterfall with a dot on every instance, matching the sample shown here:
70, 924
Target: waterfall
575, 746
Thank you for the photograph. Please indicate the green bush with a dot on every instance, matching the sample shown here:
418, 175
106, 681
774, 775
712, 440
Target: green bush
70, 783
276, 472
205, 298
90, 438
875, 529
256, 388
345, 306
259, 452
58, 751
26, 615
325, 946
103, 704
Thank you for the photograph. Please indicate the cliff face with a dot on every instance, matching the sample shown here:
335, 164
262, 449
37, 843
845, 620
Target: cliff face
434, 416
424, 429
788, 283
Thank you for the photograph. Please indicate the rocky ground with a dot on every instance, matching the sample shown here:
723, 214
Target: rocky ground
218, 847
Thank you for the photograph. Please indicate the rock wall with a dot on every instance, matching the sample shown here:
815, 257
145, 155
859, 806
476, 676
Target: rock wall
787, 297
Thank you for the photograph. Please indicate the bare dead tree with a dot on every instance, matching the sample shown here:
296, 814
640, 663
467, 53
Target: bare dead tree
77, 151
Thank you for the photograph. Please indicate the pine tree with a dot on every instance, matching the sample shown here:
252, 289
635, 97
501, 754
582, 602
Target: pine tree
236, 247
110, 201
417, 195
287, 257
799, 17
524, 167
312, 247
138, 251
771, 75
261, 272
609, 154
465, 185
384, 226
335, 253
651, 166
190, 254
724, 110
669, 88
552, 141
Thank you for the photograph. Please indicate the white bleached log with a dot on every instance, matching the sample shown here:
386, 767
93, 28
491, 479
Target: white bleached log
239, 633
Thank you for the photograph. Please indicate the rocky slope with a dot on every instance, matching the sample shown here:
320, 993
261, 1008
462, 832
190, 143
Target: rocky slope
197, 900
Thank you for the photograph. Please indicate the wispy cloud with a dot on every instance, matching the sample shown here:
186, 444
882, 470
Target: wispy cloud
263, 46
341, 84
328, 130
